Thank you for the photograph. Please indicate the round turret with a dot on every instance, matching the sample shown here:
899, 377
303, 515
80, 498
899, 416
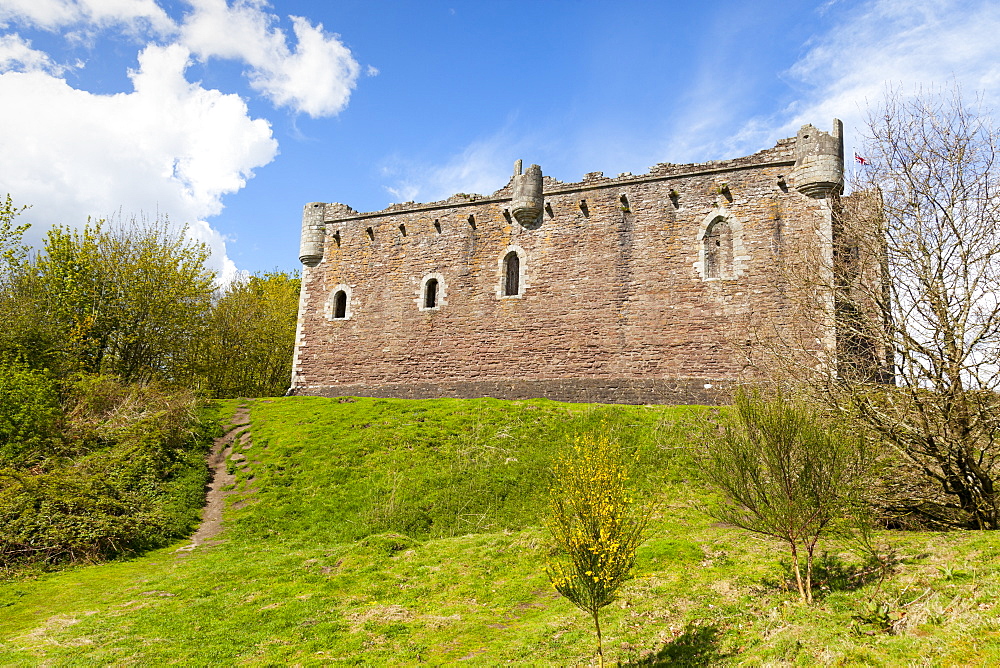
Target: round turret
527, 201
313, 233
819, 161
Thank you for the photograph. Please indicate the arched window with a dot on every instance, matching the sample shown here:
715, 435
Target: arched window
718, 250
340, 305
512, 274
431, 293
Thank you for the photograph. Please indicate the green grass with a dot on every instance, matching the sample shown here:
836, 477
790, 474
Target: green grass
398, 532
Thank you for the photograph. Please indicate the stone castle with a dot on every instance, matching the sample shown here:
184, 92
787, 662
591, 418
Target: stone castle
617, 290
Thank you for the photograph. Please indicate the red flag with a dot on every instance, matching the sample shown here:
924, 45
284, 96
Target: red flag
863, 161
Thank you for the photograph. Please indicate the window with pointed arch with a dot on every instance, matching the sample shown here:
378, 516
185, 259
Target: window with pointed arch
718, 244
511, 274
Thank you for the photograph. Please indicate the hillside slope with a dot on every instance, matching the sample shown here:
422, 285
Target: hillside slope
380, 531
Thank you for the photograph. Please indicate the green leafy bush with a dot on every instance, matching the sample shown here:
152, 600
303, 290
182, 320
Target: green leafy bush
247, 348
135, 481
782, 471
29, 413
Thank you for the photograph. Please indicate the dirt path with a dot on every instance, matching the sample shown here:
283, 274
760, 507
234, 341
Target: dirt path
215, 500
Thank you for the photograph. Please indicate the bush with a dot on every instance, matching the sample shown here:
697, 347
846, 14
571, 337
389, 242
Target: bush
136, 481
595, 525
29, 413
782, 472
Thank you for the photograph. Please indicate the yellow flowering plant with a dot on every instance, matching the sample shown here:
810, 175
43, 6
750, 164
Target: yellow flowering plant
595, 523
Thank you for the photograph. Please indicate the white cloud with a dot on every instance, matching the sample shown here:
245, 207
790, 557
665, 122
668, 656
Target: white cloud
16, 54
894, 43
169, 145
315, 78
841, 74
136, 15
47, 14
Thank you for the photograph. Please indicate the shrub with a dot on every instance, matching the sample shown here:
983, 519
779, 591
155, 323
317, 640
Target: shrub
29, 413
595, 525
135, 482
781, 472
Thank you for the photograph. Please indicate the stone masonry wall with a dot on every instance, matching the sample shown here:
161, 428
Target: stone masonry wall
615, 305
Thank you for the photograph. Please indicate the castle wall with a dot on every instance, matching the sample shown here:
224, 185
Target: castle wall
616, 303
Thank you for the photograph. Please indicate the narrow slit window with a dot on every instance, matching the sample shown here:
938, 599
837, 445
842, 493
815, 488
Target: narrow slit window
431, 293
340, 305
512, 274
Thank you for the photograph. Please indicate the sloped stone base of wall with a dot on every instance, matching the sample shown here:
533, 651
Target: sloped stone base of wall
709, 392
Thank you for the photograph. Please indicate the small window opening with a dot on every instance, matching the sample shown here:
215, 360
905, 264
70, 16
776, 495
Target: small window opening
402, 230
512, 274
506, 215
548, 210
437, 226
472, 221
371, 234
340, 305
718, 250
431, 293
336, 238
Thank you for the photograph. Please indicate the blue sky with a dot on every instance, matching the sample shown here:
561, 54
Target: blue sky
230, 116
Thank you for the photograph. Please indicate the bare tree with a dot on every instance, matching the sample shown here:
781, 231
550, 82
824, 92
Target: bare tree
916, 286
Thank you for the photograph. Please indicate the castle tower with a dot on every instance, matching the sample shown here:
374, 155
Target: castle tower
819, 161
819, 174
526, 204
313, 233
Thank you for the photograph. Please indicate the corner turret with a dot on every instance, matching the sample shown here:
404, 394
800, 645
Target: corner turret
313, 233
526, 203
819, 161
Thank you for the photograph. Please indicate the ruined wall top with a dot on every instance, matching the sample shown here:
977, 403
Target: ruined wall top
525, 191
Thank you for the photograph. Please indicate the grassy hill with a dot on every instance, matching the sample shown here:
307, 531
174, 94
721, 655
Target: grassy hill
402, 532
